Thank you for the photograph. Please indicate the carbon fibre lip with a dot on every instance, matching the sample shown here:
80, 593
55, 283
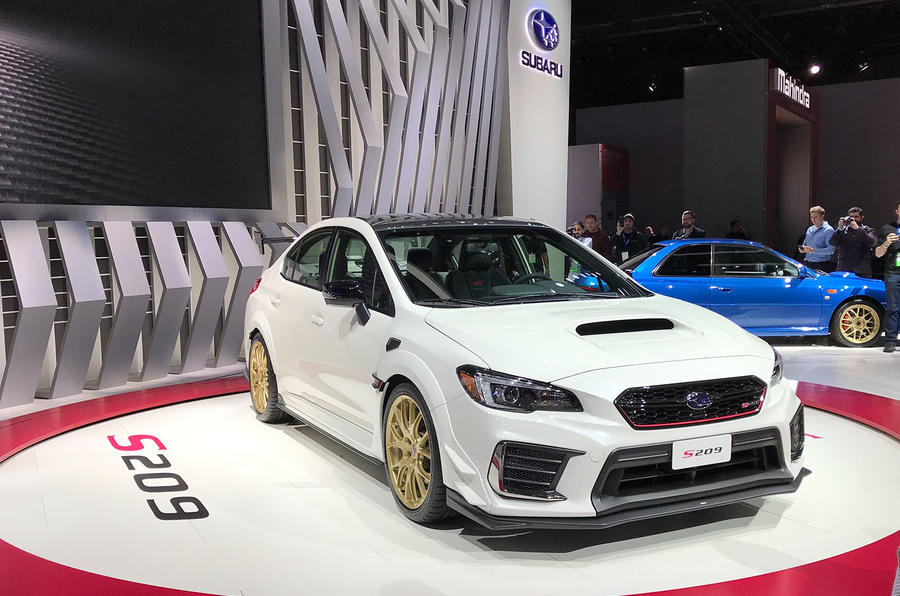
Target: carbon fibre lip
600, 522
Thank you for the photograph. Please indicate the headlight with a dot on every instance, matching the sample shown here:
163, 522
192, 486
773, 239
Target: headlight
778, 370
506, 392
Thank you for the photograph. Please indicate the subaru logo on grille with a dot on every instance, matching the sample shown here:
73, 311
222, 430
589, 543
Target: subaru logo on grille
544, 29
698, 401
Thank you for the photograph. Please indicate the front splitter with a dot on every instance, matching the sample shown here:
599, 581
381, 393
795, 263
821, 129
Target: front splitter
599, 522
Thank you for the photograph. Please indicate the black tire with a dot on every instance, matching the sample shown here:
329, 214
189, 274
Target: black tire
434, 507
270, 413
862, 312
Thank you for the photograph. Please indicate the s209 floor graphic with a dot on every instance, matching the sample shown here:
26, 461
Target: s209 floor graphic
159, 482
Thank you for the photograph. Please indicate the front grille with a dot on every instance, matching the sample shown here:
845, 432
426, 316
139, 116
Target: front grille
531, 470
667, 405
798, 434
635, 475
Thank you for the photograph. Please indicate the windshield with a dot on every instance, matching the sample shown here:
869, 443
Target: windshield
477, 266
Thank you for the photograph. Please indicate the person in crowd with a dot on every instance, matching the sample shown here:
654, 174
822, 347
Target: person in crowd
599, 238
738, 231
889, 249
663, 233
854, 240
816, 246
688, 229
628, 242
578, 233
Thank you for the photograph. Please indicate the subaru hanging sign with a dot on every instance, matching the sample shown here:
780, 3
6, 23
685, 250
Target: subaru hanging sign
545, 34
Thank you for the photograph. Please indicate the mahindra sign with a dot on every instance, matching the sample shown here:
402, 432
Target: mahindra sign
789, 86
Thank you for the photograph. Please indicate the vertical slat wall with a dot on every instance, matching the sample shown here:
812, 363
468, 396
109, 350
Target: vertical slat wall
93, 305
395, 105
76, 329
35, 308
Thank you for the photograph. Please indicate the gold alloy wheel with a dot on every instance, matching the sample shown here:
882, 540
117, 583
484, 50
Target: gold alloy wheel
259, 376
859, 324
408, 451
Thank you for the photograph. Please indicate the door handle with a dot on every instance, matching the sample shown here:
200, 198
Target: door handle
274, 301
721, 289
317, 320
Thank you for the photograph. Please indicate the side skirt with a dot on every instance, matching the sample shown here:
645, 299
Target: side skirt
327, 431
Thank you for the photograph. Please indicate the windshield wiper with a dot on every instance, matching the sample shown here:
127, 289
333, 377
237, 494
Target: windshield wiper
451, 301
555, 297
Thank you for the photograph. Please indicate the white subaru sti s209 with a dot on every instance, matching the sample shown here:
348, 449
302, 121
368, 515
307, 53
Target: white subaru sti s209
503, 370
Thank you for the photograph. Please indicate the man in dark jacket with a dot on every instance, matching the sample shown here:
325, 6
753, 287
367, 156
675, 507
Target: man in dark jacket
629, 242
688, 229
854, 241
599, 238
889, 249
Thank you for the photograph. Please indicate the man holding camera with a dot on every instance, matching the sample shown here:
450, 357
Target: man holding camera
854, 241
888, 245
628, 242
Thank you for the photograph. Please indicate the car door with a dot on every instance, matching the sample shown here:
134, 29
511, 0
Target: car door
683, 274
349, 352
758, 289
295, 300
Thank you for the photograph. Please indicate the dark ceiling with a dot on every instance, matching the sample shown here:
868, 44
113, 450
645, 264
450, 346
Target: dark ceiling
622, 48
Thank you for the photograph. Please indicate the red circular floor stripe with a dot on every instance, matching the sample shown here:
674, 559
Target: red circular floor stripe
24, 574
878, 412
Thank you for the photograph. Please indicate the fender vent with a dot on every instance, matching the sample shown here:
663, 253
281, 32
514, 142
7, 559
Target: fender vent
626, 326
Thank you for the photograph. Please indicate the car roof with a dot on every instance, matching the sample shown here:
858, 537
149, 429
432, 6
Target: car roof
403, 221
681, 241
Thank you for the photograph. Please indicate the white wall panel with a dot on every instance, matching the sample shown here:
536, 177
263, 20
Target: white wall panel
534, 140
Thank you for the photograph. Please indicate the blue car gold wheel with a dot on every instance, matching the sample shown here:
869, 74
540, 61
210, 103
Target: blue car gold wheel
856, 324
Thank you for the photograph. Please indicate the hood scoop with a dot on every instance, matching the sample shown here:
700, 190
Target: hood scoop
625, 326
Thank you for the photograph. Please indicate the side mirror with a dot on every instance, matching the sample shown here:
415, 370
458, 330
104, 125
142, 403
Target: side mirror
348, 292
343, 292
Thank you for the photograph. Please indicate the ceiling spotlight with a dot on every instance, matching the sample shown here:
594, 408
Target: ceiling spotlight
863, 66
815, 68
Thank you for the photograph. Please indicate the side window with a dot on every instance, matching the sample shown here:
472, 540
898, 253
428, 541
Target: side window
750, 261
354, 259
304, 262
687, 261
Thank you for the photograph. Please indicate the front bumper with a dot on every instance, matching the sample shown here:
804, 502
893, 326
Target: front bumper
595, 438
601, 521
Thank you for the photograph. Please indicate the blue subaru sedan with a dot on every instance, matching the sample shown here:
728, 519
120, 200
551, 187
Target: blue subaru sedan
763, 291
